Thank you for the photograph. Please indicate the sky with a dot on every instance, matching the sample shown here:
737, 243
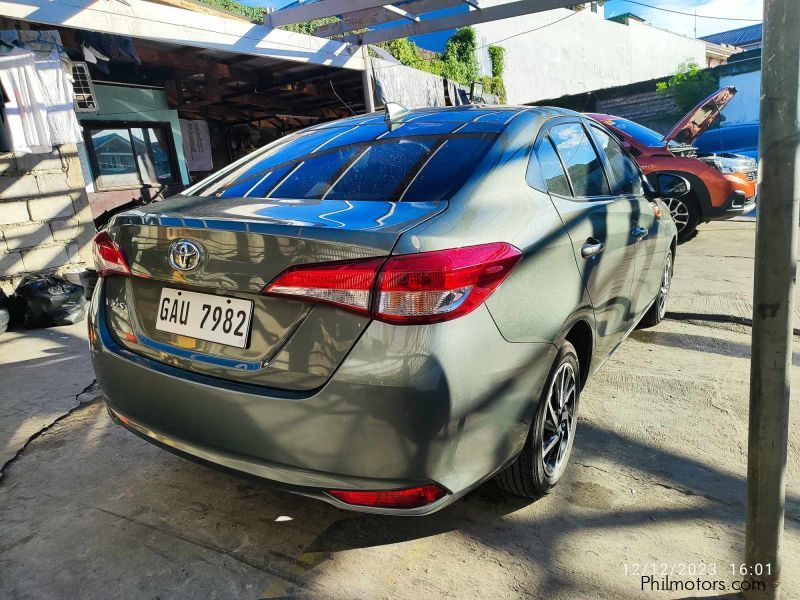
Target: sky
722, 10
742, 9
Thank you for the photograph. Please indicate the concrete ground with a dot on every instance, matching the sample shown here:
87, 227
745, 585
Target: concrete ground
88, 510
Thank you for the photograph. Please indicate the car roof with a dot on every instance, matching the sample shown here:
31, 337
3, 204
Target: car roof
492, 118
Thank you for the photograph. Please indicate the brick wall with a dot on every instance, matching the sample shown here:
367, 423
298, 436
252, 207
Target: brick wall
652, 109
45, 222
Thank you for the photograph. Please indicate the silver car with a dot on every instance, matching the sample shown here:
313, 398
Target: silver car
383, 312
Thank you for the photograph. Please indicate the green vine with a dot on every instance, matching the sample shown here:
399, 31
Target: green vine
497, 57
458, 62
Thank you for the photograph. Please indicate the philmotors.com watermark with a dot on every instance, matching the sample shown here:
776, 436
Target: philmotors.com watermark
698, 577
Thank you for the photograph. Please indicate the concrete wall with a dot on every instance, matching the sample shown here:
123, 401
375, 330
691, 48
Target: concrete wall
582, 53
744, 108
45, 223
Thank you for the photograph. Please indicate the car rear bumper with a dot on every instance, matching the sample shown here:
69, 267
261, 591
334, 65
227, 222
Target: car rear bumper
448, 404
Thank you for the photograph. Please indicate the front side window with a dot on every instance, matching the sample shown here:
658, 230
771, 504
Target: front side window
627, 179
579, 157
130, 155
362, 163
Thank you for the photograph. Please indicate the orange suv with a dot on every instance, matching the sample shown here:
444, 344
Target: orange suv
722, 185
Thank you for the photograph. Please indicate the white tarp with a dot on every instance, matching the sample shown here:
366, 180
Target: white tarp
410, 87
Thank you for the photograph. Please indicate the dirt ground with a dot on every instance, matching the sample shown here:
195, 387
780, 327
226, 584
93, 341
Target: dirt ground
88, 510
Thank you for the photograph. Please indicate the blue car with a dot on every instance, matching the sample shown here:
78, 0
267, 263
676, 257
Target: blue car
730, 139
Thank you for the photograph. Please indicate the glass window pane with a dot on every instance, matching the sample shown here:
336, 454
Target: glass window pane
448, 168
259, 188
315, 175
379, 172
116, 163
160, 145
113, 150
582, 163
239, 181
552, 170
627, 179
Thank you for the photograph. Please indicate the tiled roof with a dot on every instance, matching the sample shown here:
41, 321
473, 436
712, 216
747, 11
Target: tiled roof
737, 37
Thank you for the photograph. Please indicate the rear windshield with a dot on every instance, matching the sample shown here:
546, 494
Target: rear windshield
419, 163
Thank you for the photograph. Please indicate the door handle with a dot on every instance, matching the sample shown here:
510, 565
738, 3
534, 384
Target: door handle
592, 247
639, 233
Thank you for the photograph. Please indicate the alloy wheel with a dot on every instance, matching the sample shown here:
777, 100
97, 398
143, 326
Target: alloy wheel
560, 421
679, 212
666, 279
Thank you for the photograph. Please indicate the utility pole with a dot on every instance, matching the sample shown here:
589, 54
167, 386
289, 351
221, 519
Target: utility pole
773, 296
366, 80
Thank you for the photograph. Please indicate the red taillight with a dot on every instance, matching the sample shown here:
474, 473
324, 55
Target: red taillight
108, 258
346, 283
407, 498
428, 287
438, 286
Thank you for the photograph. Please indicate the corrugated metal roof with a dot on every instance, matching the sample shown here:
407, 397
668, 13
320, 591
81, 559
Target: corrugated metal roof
737, 37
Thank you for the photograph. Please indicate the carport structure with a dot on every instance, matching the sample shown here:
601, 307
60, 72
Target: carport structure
220, 67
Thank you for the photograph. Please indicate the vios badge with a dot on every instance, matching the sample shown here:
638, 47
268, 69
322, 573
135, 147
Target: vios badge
185, 255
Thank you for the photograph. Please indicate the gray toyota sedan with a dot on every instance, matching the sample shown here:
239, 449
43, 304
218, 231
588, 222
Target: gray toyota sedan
385, 311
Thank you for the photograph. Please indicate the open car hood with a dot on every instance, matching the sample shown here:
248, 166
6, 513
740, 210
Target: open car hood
700, 118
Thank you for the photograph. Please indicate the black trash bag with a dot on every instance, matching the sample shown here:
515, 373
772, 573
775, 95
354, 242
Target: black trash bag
5, 314
42, 300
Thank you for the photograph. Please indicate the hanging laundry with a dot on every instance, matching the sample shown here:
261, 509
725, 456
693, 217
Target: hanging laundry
25, 111
56, 80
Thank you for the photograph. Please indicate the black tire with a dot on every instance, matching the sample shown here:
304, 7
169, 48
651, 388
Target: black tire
655, 315
685, 212
529, 475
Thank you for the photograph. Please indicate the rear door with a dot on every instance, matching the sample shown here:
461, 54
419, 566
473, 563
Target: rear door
627, 182
598, 223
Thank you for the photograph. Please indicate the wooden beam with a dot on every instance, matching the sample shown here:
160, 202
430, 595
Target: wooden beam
180, 62
172, 87
318, 10
492, 13
396, 10
143, 19
375, 16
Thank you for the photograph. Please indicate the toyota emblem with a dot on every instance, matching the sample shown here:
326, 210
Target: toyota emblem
185, 255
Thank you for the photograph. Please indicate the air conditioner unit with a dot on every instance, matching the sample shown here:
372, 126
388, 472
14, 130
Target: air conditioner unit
85, 99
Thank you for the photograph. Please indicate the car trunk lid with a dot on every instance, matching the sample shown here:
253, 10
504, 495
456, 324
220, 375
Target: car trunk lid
245, 243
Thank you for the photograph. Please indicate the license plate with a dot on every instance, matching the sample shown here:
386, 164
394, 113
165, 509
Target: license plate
205, 316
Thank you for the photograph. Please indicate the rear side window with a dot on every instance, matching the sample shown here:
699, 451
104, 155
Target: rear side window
627, 179
360, 163
579, 157
552, 170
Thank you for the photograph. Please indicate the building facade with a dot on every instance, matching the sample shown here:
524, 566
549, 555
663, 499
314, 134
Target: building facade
562, 52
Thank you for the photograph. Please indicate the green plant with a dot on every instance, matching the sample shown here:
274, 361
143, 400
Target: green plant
497, 57
459, 61
249, 12
495, 86
689, 85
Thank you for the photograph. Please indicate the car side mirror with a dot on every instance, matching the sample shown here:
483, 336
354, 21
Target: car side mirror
666, 185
